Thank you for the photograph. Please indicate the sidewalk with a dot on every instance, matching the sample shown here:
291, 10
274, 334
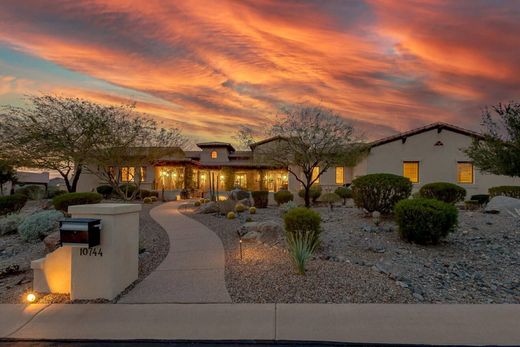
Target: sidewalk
193, 270
374, 323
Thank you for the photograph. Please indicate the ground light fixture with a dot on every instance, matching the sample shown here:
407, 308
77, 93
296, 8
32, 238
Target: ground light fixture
31, 297
240, 244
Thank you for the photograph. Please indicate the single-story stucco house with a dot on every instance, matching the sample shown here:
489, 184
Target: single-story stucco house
433, 153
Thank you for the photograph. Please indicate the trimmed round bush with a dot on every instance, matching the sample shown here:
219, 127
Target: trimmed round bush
482, 199
231, 215
240, 208
510, 191
105, 190
260, 198
252, 210
128, 189
153, 198
54, 191
36, 226
147, 200
344, 193
425, 221
196, 203
314, 193
380, 192
330, 199
62, 202
443, 191
302, 219
12, 203
283, 196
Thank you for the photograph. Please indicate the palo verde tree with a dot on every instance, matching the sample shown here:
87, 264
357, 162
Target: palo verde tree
309, 140
131, 140
53, 133
498, 152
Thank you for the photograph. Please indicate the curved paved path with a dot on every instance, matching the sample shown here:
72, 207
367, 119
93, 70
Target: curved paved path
193, 270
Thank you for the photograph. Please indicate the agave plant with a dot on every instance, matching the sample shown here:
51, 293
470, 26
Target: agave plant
302, 245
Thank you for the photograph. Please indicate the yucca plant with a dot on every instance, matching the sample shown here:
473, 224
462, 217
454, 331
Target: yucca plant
302, 246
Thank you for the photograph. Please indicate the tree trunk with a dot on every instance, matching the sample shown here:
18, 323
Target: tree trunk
75, 179
307, 196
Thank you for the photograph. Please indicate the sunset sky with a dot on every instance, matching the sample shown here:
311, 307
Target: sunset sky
208, 66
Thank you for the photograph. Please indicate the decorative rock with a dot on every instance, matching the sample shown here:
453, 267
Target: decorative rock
239, 194
418, 296
52, 241
251, 236
502, 204
245, 202
210, 207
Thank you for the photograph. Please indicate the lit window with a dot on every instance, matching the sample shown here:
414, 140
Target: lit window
128, 173
464, 172
315, 174
339, 175
411, 170
214, 155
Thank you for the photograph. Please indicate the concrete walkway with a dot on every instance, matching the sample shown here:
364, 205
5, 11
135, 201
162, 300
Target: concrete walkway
375, 323
193, 270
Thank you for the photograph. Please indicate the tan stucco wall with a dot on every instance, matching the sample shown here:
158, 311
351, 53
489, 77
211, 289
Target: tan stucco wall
436, 163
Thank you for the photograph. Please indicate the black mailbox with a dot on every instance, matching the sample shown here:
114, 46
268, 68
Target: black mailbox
80, 232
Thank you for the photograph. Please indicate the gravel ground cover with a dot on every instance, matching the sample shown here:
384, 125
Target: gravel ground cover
154, 246
360, 263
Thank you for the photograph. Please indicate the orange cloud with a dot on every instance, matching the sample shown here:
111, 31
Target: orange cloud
210, 66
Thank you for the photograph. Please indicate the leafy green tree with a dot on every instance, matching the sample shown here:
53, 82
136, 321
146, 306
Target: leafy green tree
498, 152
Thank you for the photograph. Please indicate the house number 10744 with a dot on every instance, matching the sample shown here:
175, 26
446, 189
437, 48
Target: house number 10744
91, 252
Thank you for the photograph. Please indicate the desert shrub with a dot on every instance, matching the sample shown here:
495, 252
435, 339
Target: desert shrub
302, 232
147, 200
144, 193
260, 198
344, 193
314, 193
471, 205
9, 224
481, 198
252, 210
202, 200
231, 215
443, 191
240, 208
249, 219
12, 203
510, 191
128, 189
226, 206
105, 190
425, 221
36, 226
62, 202
283, 196
330, 199
32, 192
380, 192
206, 201
287, 207
196, 203
54, 191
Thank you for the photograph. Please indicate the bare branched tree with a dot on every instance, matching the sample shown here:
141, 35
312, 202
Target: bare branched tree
310, 137
244, 137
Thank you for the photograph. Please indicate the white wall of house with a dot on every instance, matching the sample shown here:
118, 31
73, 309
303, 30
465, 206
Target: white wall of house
436, 163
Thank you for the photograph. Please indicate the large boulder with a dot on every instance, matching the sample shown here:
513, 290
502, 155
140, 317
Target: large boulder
502, 204
209, 207
238, 194
245, 202
266, 231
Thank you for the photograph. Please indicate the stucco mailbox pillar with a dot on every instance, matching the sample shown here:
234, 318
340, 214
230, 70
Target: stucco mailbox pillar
102, 271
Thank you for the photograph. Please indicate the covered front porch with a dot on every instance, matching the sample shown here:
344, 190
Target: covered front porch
196, 179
